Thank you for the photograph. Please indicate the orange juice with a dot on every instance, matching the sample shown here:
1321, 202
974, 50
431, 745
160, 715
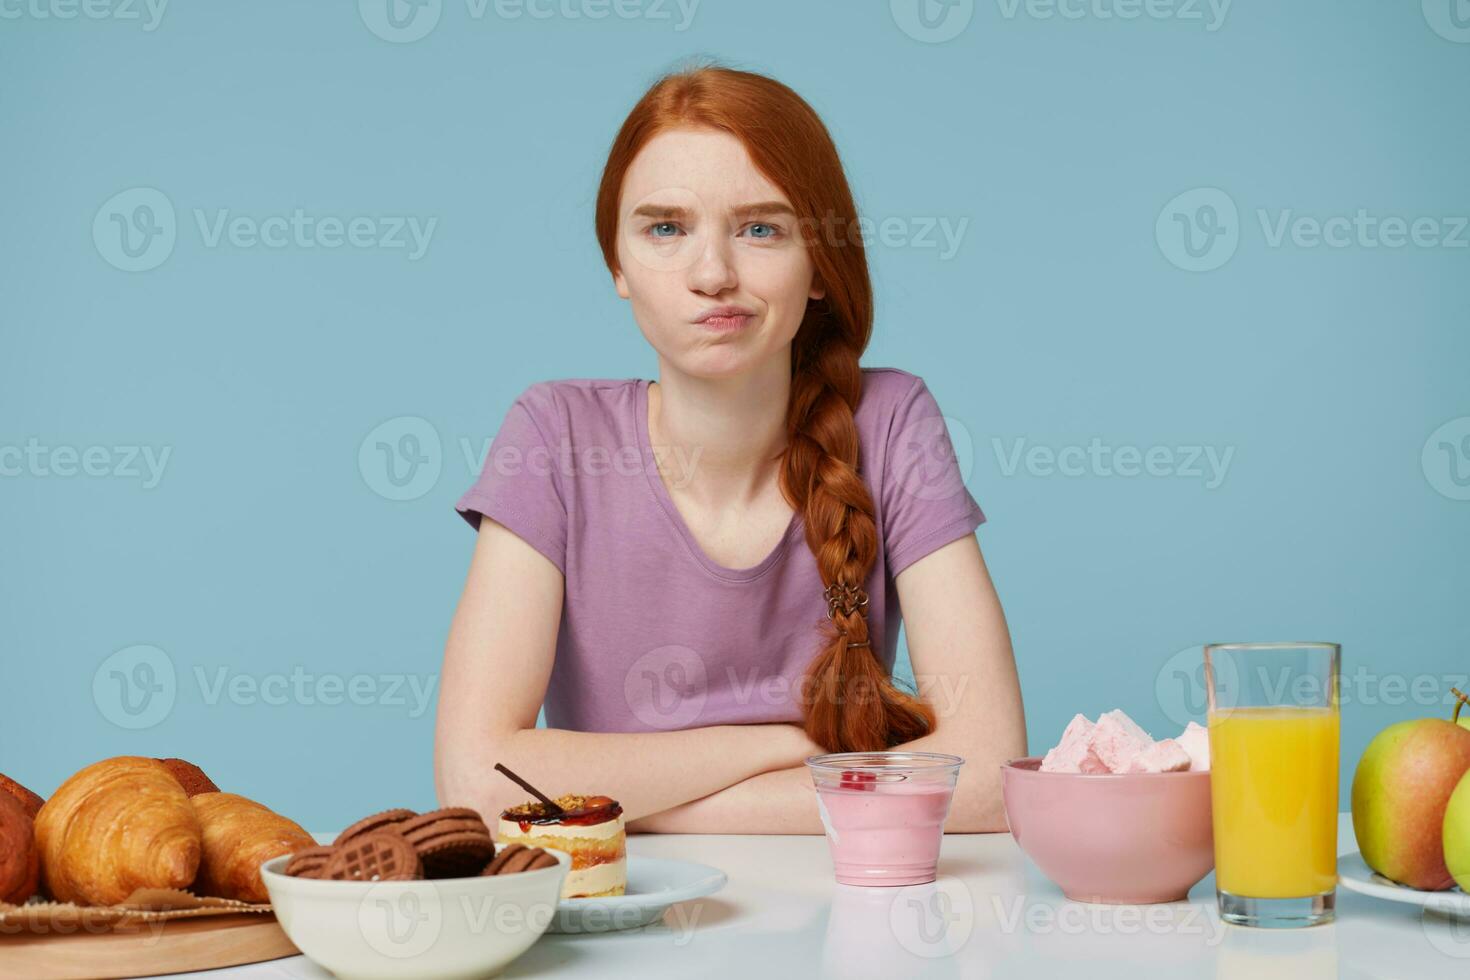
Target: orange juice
1273, 786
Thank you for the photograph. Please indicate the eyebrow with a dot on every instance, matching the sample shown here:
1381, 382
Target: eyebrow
671, 211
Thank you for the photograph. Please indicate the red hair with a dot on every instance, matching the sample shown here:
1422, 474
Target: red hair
849, 701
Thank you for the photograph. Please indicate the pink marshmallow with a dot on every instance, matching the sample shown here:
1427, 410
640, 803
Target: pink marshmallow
1072, 751
1165, 755
1195, 740
1117, 740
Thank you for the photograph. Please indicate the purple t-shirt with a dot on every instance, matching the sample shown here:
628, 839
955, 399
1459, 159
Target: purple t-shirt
654, 635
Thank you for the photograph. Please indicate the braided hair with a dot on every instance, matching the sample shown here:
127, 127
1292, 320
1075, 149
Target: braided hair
849, 702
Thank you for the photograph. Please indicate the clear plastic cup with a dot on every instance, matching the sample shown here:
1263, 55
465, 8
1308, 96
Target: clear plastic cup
884, 813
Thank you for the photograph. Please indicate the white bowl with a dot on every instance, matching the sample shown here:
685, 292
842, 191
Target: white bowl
435, 930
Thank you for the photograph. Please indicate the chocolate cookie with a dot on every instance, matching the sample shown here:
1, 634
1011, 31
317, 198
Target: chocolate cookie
518, 857
308, 862
380, 855
452, 843
378, 821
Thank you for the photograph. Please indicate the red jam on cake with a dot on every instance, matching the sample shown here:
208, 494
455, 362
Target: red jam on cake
589, 828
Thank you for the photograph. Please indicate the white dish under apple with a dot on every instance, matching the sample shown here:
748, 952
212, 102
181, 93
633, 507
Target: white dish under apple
654, 884
1355, 875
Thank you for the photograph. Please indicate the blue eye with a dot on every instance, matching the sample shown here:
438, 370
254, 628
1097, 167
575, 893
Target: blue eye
773, 231
663, 224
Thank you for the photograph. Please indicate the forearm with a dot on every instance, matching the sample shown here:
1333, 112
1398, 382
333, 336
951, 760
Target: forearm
645, 771
977, 807
782, 801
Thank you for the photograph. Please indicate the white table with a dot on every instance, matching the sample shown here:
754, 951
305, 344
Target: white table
990, 914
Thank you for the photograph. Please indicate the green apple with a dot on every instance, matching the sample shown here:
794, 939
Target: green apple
1460, 700
1456, 834
1401, 790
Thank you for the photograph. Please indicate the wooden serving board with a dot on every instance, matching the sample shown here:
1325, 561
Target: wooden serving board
173, 946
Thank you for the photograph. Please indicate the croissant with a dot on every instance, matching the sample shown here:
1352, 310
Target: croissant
116, 826
190, 776
19, 864
29, 801
239, 835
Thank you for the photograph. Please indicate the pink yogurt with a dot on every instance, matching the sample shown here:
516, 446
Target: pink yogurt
884, 813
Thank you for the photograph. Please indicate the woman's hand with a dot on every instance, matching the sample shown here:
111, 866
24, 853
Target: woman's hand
805, 747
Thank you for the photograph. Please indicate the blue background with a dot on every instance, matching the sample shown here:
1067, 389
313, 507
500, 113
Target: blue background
1061, 318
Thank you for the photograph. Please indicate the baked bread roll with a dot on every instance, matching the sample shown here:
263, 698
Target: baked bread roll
19, 860
240, 835
116, 826
29, 802
190, 776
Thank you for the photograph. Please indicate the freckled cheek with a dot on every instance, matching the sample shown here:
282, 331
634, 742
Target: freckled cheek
660, 306
780, 281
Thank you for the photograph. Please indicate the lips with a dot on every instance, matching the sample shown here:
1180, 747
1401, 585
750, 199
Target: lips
724, 318
734, 322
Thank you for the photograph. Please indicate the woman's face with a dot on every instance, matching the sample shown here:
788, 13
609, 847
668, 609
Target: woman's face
699, 228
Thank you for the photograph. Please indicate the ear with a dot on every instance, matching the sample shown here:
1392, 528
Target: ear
621, 283
817, 290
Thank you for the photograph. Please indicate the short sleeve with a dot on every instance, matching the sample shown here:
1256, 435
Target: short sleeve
520, 485
925, 501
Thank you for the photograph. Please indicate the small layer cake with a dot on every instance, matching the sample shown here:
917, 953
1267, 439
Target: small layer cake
589, 828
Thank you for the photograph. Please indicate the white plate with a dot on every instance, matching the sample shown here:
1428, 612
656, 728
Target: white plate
1355, 875
653, 885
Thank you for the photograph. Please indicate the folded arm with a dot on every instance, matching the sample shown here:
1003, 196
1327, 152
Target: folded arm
497, 663
964, 667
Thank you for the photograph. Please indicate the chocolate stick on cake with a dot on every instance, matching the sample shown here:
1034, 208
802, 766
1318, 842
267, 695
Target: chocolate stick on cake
589, 828
550, 803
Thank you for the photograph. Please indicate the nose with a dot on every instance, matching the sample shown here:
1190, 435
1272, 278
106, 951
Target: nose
713, 270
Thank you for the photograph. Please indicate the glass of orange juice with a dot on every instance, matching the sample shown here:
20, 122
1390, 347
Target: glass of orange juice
1273, 722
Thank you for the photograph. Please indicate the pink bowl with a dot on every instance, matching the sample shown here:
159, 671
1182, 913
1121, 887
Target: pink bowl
1118, 839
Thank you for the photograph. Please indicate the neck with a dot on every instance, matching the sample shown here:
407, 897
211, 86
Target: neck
718, 439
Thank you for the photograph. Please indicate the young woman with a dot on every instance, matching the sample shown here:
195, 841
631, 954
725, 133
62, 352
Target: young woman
640, 565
